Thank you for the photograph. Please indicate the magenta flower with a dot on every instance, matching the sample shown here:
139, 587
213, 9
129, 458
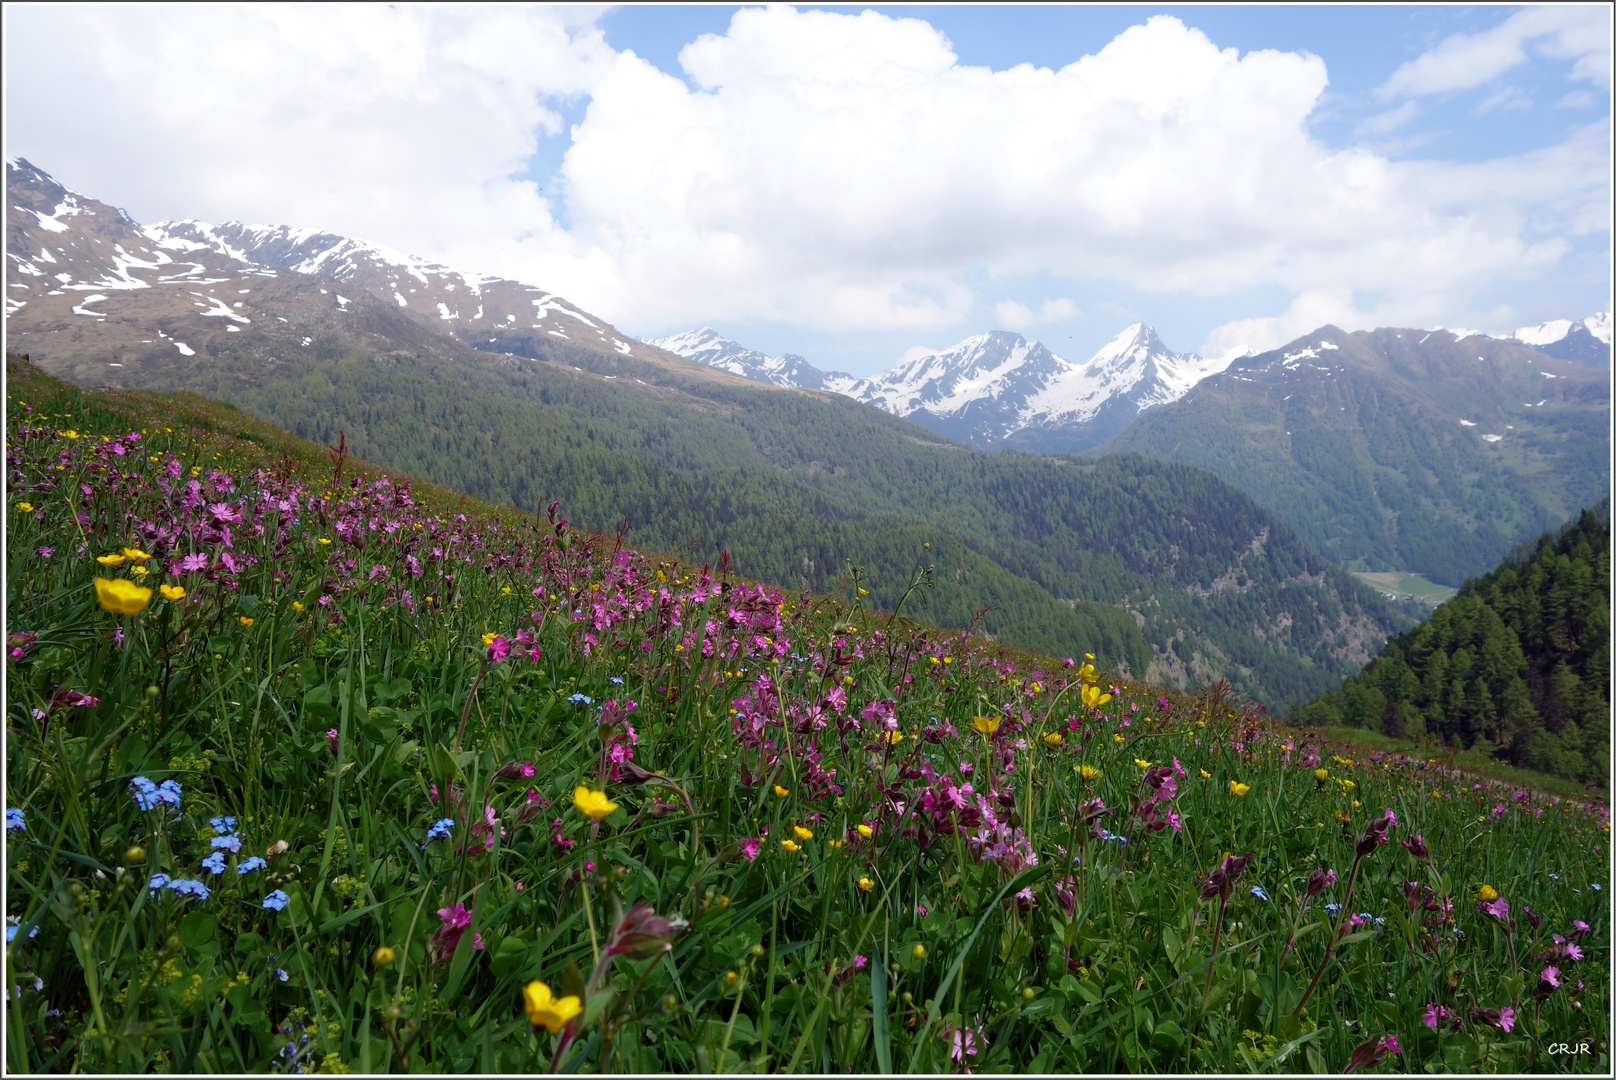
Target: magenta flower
1372, 1053
498, 649
1503, 1019
749, 848
1416, 847
331, 739
1435, 1015
455, 920
1498, 909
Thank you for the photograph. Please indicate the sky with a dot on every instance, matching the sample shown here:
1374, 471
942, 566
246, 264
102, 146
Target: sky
854, 184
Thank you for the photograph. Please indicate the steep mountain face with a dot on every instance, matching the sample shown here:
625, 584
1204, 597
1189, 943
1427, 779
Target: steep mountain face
708, 346
1519, 662
1398, 449
996, 389
98, 298
1586, 340
1158, 569
490, 314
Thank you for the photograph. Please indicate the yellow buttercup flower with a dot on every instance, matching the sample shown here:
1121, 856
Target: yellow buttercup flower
791, 846
121, 596
323, 540
506, 591
1116, 737
834, 844
1205, 775
139, 571
548, 1011
892, 737
865, 831
1092, 697
593, 803
110, 560
1087, 772
1487, 894
864, 591
245, 620
173, 593
1237, 788
1142, 763
26, 507
918, 951
802, 833
1054, 738
488, 639
987, 725
1321, 775
297, 605
135, 555
866, 883
781, 791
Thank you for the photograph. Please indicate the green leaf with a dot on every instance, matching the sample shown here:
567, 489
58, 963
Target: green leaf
878, 1013
597, 1002
1168, 1036
1088, 992
197, 928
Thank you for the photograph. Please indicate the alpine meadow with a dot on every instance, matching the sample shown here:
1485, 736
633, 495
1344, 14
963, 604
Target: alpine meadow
691, 540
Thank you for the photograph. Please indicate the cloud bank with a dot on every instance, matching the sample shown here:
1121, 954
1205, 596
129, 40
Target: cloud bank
843, 173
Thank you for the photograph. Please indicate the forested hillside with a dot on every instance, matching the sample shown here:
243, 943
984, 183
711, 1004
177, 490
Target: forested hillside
1398, 449
1517, 664
795, 483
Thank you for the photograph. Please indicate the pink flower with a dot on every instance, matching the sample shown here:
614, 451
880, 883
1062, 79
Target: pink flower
332, 738
498, 649
1498, 908
749, 848
1435, 1015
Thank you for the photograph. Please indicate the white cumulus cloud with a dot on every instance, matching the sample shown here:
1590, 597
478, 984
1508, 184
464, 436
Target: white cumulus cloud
830, 171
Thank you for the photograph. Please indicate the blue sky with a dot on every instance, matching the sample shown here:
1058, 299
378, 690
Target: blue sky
850, 183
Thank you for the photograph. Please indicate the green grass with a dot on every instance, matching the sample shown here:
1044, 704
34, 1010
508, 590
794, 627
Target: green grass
1399, 585
409, 785
1467, 761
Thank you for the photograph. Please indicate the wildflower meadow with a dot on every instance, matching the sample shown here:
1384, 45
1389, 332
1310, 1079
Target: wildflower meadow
307, 771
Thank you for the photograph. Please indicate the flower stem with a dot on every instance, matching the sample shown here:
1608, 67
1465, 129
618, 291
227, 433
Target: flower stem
1329, 946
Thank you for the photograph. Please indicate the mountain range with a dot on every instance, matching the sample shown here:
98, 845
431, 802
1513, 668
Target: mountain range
1162, 570
1421, 451
1398, 449
992, 390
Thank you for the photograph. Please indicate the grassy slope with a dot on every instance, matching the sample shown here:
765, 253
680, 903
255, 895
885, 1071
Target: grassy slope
1118, 967
791, 484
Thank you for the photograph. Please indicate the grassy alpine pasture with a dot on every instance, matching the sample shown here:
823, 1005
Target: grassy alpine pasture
308, 770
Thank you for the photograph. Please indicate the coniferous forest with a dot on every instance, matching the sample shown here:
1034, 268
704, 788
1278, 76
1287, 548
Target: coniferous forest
1518, 664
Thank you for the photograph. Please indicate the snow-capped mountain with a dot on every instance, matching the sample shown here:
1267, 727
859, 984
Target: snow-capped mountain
94, 296
998, 389
490, 313
708, 346
1587, 340
994, 389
